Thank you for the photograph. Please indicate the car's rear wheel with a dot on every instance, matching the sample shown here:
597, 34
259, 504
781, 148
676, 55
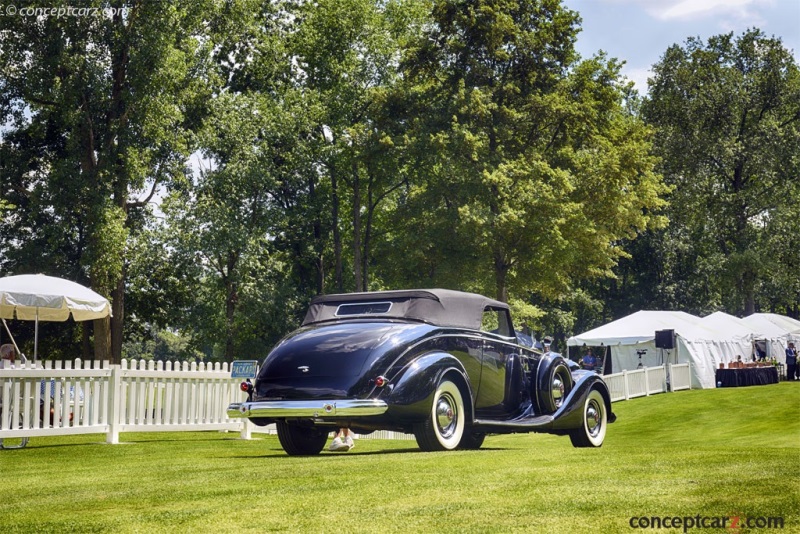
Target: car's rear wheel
301, 441
595, 419
443, 428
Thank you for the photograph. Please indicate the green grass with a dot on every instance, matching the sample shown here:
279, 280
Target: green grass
718, 452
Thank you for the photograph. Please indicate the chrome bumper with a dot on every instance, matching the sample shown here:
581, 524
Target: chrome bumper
318, 408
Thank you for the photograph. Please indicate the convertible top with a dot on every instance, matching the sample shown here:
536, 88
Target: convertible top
441, 307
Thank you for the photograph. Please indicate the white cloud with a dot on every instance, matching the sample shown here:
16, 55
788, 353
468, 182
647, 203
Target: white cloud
638, 76
739, 10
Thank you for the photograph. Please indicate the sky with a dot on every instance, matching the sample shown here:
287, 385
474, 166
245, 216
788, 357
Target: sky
640, 31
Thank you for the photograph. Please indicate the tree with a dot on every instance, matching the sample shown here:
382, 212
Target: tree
348, 53
99, 111
530, 155
726, 113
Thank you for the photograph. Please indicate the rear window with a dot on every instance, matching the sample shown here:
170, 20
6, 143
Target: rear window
363, 308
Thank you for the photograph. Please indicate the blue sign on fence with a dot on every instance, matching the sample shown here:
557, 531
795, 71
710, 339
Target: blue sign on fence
244, 369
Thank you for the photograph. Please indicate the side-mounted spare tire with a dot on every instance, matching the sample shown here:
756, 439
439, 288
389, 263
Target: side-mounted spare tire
554, 384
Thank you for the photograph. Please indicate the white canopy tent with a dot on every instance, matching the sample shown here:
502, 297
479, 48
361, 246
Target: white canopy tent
775, 331
36, 297
704, 344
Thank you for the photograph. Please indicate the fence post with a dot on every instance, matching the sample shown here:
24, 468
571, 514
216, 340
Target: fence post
246, 429
689, 372
646, 383
625, 382
114, 386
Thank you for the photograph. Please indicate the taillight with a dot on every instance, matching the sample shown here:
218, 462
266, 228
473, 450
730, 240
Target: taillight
246, 386
381, 381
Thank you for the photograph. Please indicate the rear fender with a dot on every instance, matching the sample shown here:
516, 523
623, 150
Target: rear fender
411, 390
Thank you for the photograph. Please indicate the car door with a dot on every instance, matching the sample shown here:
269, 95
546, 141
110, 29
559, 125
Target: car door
501, 385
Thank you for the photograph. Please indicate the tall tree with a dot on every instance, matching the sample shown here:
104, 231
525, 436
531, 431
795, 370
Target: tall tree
727, 116
98, 109
348, 53
530, 154
250, 226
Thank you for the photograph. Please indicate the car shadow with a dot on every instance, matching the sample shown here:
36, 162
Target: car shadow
327, 454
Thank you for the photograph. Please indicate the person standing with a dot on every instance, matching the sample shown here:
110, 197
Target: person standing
342, 440
589, 361
791, 362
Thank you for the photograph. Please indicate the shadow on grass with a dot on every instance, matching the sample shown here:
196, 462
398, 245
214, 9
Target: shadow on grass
327, 454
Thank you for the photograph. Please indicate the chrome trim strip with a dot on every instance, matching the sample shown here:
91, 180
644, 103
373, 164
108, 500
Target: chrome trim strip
317, 408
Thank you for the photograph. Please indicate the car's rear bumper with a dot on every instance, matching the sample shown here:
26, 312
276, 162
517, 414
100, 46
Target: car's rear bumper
312, 408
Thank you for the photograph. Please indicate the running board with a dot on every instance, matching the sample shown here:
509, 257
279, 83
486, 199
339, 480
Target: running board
541, 423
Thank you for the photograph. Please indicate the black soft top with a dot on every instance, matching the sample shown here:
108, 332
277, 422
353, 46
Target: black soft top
441, 307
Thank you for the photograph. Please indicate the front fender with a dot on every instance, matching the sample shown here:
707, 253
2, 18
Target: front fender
570, 415
411, 390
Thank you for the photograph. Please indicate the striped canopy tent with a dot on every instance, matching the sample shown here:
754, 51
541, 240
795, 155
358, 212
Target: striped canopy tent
36, 297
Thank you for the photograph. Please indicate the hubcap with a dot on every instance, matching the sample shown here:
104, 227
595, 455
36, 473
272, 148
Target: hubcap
593, 418
446, 416
558, 391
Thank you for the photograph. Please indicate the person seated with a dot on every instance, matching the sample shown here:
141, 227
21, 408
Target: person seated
589, 361
8, 355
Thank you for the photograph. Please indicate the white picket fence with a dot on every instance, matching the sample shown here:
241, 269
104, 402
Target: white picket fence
90, 398
148, 396
648, 381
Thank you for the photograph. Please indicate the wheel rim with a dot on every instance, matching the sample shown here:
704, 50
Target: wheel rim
558, 391
559, 387
446, 415
594, 418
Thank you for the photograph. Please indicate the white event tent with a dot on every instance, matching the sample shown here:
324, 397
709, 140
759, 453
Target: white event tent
774, 332
703, 343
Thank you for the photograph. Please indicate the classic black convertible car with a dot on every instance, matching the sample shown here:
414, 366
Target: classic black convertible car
443, 365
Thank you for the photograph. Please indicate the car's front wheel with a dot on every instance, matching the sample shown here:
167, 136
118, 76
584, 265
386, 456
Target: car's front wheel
301, 441
443, 428
595, 419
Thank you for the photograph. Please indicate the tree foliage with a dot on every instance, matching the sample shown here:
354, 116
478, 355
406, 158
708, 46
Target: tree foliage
99, 112
370, 144
529, 153
727, 117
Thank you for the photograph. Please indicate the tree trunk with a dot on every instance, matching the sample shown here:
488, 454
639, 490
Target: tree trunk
117, 318
367, 236
500, 275
337, 236
102, 339
230, 312
86, 345
319, 246
116, 121
231, 302
357, 230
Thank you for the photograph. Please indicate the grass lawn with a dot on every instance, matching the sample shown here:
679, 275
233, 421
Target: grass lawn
722, 452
